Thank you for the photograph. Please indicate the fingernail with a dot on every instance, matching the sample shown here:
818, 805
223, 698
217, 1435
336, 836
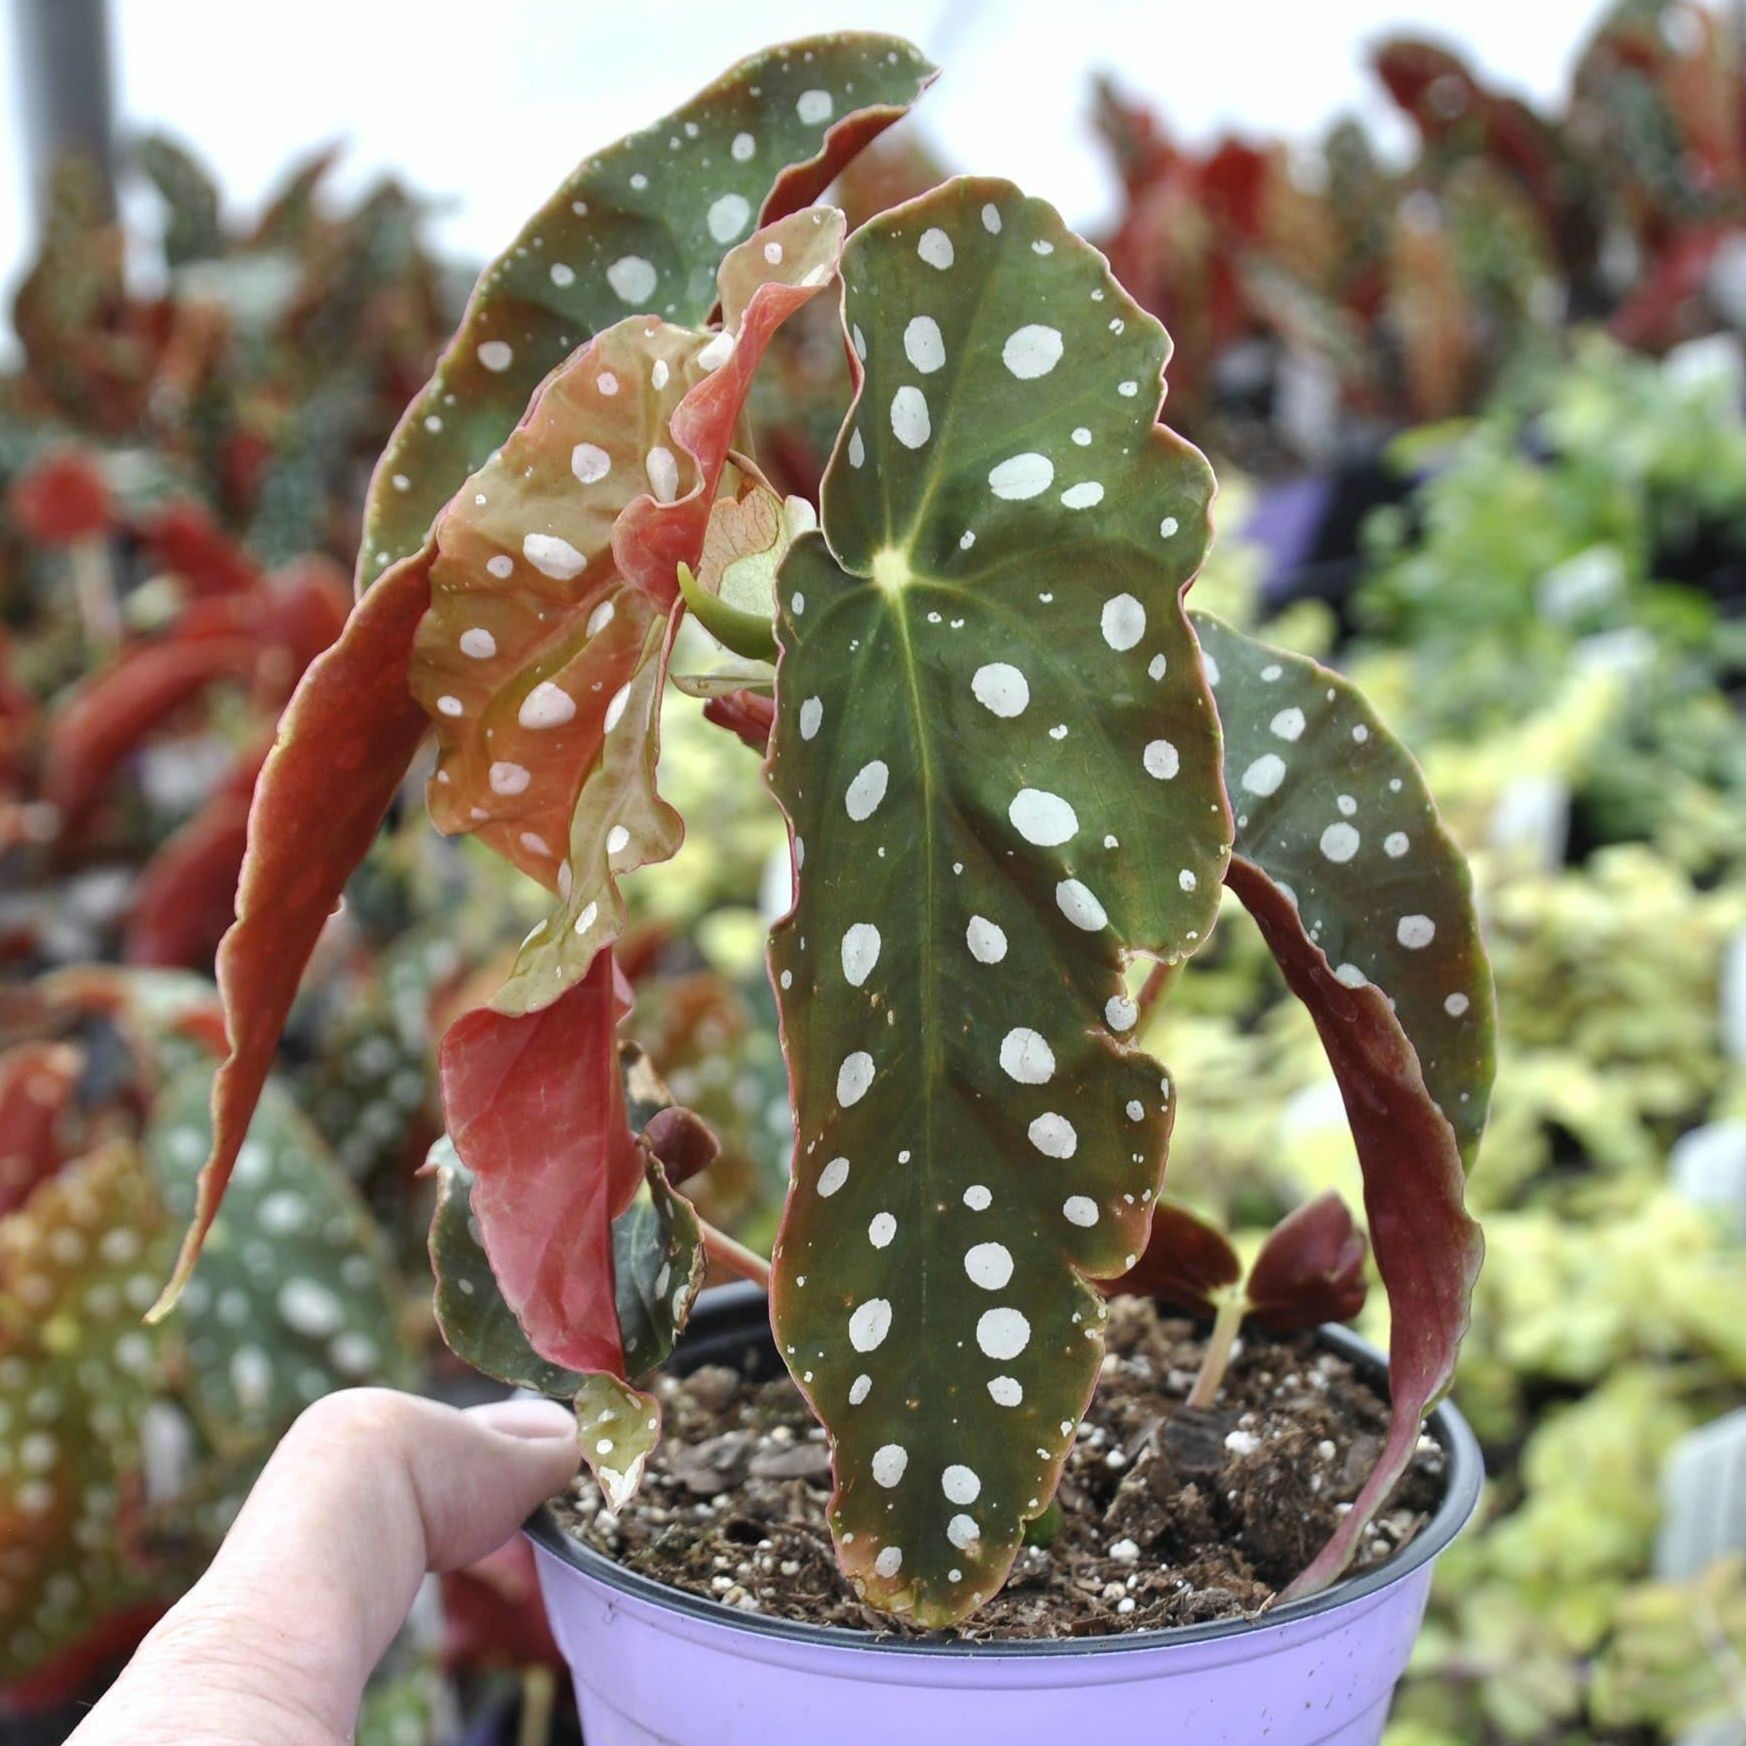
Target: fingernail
534, 1420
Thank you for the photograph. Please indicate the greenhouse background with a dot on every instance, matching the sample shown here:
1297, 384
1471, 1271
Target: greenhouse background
1458, 298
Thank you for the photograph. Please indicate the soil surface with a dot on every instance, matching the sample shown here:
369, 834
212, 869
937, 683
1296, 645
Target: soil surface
1168, 1516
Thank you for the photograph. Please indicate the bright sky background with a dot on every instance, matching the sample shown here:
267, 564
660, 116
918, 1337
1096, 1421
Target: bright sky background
484, 107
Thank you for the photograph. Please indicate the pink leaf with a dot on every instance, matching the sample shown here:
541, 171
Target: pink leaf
536, 1111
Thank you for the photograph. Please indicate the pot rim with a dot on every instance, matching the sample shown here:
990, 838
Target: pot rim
1465, 1476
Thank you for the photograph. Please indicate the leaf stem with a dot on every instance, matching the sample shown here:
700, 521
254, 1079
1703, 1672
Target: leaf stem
1233, 1306
538, 1697
94, 591
1158, 983
736, 1258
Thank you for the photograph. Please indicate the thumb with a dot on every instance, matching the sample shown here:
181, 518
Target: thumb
368, 1491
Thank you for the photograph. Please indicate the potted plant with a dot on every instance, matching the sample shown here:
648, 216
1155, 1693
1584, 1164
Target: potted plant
1015, 771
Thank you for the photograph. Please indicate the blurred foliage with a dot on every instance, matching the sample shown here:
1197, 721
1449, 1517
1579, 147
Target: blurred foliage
125, 1449
1551, 618
1320, 294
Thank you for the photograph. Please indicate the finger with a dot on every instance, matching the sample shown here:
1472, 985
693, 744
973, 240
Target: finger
368, 1491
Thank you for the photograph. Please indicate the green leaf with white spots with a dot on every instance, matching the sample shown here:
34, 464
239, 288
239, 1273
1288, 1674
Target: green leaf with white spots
1368, 906
1331, 807
618, 1425
295, 1294
1002, 769
658, 1269
638, 228
79, 1262
475, 1323
554, 599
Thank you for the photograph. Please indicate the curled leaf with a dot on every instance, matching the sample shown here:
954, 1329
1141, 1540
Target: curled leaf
733, 593
1367, 904
658, 1267
749, 715
1310, 1269
1001, 767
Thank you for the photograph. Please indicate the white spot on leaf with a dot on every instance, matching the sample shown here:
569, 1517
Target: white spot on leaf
922, 344
1042, 818
936, 249
1025, 1055
633, 281
860, 952
1022, 476
1123, 622
1032, 351
854, 1077
1001, 689
867, 790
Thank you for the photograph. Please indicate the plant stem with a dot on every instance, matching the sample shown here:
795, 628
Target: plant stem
94, 590
538, 1693
1157, 984
1233, 1306
735, 1257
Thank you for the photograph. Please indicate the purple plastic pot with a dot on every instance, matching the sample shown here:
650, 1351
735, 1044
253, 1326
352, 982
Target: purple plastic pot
656, 1667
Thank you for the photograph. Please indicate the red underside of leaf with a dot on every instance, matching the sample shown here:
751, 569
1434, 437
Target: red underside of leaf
536, 1110
748, 714
344, 743
801, 184
1186, 1261
1427, 1249
1310, 1269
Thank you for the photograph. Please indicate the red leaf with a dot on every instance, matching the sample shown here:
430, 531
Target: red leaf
70, 1673
36, 1085
535, 1109
683, 1141
183, 538
1186, 1262
62, 499
186, 895
345, 741
1427, 1249
1310, 1269
749, 714
109, 717
493, 1616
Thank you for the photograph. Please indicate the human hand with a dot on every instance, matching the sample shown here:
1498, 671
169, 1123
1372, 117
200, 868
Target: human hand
368, 1491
